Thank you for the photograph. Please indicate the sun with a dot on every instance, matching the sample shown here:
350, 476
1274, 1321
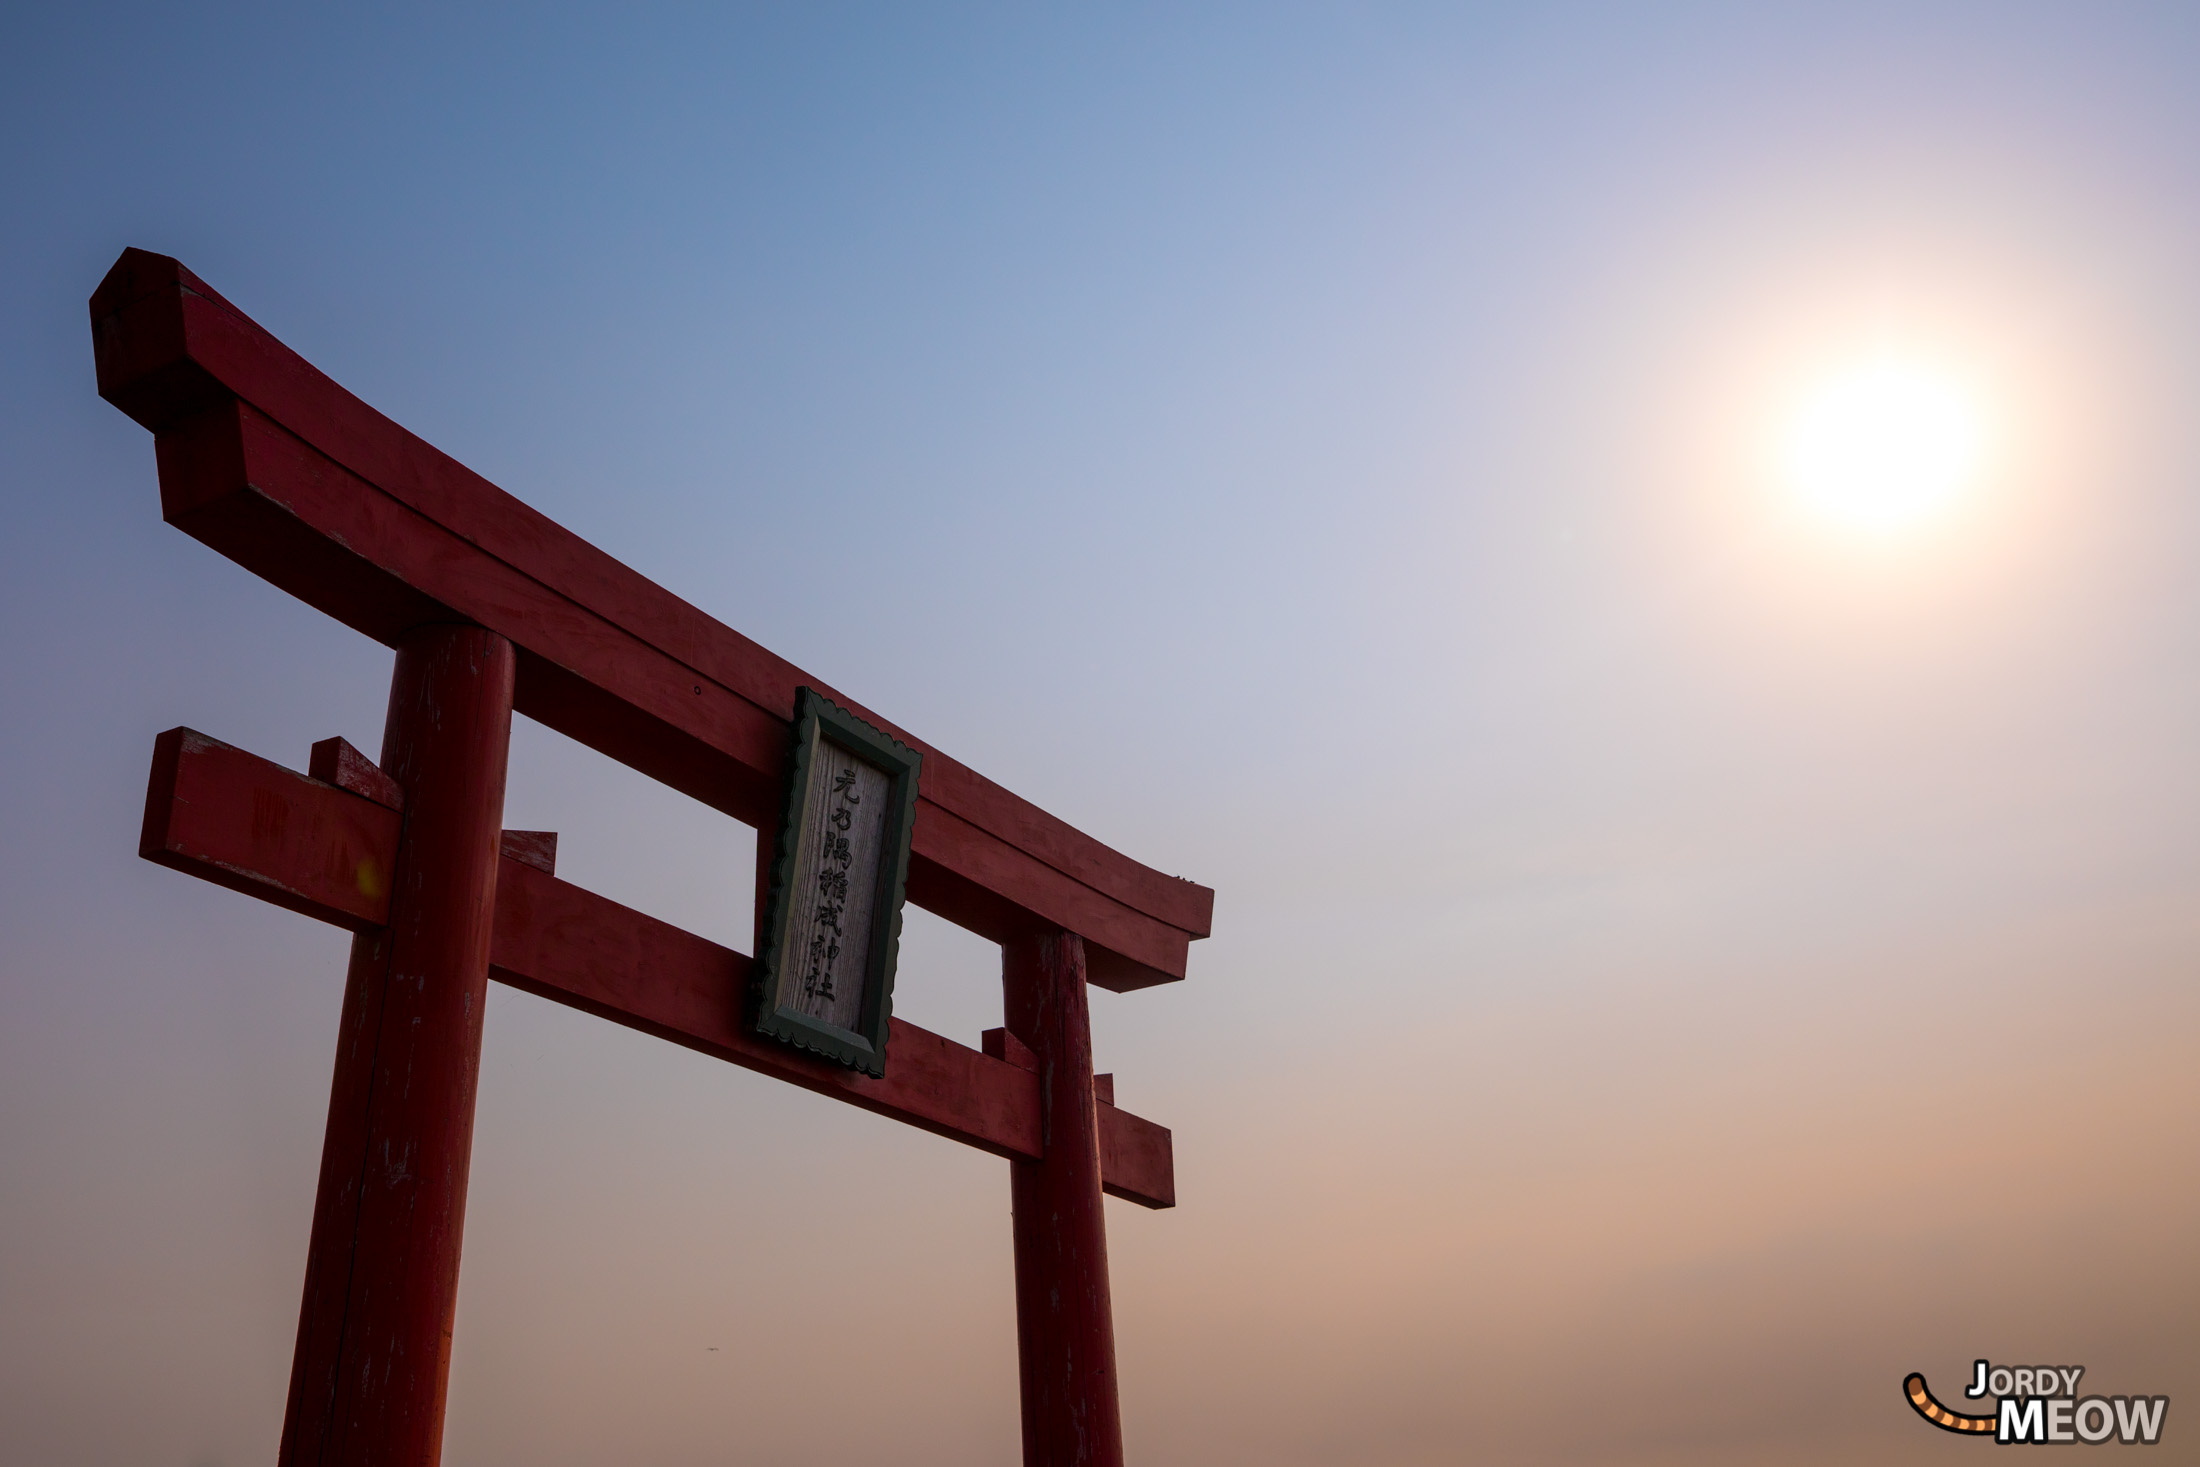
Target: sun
1885, 446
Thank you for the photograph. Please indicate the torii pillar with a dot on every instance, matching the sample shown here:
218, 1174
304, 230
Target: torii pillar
373, 1363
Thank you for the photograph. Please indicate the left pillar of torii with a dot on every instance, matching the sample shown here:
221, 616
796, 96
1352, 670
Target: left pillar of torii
407, 855
367, 1383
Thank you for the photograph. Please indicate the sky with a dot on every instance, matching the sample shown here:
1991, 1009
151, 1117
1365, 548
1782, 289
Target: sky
1680, 963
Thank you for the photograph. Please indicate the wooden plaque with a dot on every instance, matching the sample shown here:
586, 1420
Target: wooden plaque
832, 918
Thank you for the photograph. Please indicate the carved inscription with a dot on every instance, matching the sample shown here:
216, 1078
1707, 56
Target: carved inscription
826, 980
835, 892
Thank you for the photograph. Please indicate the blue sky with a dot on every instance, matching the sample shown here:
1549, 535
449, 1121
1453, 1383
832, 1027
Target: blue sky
1672, 969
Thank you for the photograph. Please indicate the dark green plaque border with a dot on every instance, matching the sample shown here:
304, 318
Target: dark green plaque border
818, 719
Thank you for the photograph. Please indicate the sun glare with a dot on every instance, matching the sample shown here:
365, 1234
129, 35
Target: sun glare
1887, 446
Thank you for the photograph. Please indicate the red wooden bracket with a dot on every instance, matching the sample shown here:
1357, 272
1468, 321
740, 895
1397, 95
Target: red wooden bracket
243, 822
536, 848
1003, 1045
336, 762
273, 464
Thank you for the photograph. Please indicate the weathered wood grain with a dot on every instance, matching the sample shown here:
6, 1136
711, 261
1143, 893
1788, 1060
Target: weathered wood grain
536, 848
368, 1378
336, 762
836, 886
1065, 1318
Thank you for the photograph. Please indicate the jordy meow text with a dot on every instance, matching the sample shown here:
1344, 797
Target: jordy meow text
2040, 1403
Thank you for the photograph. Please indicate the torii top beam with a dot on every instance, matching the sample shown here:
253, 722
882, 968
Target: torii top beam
265, 459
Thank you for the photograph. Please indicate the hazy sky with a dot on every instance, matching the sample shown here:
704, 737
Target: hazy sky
1678, 965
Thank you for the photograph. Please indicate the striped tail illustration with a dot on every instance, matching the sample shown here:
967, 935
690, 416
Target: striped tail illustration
1913, 1386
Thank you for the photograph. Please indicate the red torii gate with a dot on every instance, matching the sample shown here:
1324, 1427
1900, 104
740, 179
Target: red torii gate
493, 608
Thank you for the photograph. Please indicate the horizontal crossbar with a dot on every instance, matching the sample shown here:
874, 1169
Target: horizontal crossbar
233, 818
273, 464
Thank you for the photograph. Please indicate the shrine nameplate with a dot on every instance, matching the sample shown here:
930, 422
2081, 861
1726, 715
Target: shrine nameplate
832, 918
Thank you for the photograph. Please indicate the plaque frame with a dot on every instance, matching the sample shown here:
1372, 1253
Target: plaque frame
819, 720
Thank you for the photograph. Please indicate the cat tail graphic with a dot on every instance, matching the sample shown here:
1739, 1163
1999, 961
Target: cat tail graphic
1913, 1386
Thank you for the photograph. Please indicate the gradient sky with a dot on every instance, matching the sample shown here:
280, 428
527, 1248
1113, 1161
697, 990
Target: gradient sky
1675, 969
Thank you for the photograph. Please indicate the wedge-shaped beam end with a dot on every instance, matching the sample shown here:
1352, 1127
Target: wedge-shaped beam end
249, 824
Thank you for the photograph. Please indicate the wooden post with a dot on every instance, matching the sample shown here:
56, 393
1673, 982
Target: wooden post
374, 1335
1065, 1328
